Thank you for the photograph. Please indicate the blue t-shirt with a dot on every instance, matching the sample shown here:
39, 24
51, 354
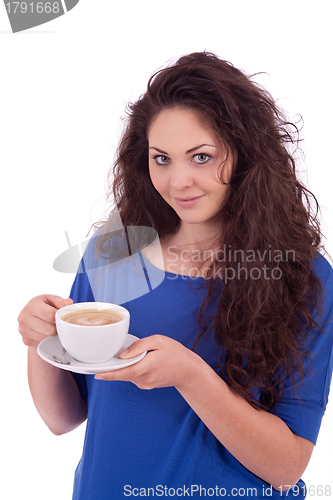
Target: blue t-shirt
143, 443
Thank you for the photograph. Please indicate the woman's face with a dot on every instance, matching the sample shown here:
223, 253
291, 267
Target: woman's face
185, 160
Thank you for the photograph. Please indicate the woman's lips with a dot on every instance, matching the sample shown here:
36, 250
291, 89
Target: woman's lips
188, 202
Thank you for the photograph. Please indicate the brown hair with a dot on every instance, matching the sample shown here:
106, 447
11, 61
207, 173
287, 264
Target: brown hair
261, 322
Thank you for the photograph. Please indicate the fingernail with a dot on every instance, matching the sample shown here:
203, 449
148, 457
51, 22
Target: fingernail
124, 352
99, 377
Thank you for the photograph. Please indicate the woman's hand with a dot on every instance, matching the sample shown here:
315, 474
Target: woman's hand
37, 318
167, 364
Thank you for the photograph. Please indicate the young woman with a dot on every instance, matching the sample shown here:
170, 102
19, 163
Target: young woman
227, 292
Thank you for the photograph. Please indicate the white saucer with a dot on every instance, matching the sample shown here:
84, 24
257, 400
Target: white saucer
52, 347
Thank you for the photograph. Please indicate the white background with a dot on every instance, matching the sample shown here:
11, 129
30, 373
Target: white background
63, 89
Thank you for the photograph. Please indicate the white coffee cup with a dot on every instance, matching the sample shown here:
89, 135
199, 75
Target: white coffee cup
92, 343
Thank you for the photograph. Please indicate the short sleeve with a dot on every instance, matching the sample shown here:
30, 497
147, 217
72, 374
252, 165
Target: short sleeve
302, 407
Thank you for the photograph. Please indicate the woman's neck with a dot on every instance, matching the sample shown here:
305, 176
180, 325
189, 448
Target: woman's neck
195, 236
189, 251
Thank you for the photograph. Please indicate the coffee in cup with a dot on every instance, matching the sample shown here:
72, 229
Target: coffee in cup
92, 332
92, 317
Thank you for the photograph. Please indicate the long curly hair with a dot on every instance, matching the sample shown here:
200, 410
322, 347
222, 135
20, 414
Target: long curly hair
270, 232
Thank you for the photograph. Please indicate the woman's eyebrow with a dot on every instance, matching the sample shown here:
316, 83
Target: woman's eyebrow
187, 152
159, 150
198, 147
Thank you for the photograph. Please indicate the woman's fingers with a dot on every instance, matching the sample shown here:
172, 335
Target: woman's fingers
31, 338
134, 373
165, 365
128, 374
139, 346
37, 318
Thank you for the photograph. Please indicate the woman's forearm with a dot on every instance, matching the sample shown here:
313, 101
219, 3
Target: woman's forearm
259, 440
55, 394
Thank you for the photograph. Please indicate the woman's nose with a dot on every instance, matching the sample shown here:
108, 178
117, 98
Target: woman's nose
181, 177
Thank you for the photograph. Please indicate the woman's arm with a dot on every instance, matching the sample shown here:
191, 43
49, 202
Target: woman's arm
54, 391
260, 441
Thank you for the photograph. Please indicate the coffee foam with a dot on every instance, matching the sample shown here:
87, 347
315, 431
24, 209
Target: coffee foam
92, 317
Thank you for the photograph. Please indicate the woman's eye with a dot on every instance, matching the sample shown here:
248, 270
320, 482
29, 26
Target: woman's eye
202, 158
161, 159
